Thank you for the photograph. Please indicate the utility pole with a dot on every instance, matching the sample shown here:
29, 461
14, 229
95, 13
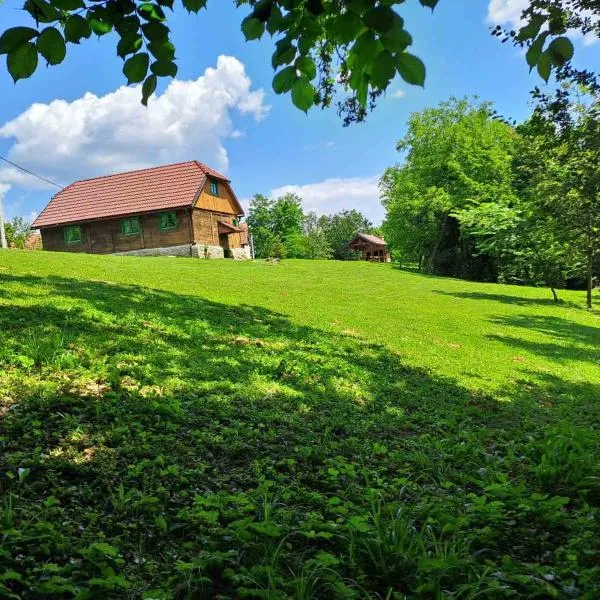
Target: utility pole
3, 243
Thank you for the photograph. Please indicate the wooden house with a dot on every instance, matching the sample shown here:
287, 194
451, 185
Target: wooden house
371, 247
185, 209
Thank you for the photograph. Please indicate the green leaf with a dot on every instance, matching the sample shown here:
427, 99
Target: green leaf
429, 3
151, 12
99, 27
382, 70
194, 5
534, 51
262, 10
410, 68
68, 4
154, 31
544, 65
22, 61
129, 45
305, 44
284, 80
164, 68
283, 55
380, 18
167, 3
51, 45
306, 66
14, 37
136, 67
252, 28
163, 50
364, 50
531, 29
77, 28
128, 27
42, 11
345, 27
561, 50
303, 93
148, 88
274, 21
396, 39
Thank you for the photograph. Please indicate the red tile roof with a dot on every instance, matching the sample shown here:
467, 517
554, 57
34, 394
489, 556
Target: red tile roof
135, 192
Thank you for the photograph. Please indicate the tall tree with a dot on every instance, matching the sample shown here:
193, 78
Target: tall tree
457, 156
340, 228
566, 128
322, 47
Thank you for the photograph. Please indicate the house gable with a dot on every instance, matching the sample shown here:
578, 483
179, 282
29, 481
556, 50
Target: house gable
225, 202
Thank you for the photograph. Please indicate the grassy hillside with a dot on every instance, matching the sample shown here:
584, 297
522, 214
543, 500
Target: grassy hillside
174, 428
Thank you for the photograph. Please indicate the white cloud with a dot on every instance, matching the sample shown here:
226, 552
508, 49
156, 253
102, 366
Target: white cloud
508, 13
333, 195
94, 135
398, 94
4, 187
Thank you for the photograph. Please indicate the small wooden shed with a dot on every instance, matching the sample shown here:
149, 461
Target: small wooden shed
371, 247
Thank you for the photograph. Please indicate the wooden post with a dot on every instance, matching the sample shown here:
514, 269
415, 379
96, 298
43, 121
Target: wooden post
3, 242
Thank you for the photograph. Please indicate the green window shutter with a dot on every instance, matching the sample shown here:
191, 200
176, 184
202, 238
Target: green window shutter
130, 226
168, 220
72, 234
214, 188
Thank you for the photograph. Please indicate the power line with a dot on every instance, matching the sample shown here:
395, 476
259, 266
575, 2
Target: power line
30, 172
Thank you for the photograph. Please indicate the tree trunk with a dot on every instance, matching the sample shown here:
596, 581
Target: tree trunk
420, 262
554, 295
431, 259
589, 277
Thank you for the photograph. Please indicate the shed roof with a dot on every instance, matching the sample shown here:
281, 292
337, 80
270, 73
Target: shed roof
370, 239
134, 192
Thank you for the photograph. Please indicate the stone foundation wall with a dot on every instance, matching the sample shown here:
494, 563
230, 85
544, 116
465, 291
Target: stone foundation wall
196, 251
185, 250
241, 253
202, 251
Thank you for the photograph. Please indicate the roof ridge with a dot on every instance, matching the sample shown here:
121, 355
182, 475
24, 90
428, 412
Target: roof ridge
208, 169
185, 162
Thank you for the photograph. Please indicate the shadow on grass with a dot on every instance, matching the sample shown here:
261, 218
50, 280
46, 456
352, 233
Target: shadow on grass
569, 341
193, 438
510, 299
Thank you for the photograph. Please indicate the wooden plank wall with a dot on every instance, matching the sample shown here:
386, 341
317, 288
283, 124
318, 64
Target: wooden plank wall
206, 228
223, 203
104, 237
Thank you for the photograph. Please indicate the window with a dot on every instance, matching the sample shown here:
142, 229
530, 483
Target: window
168, 220
214, 188
72, 235
130, 226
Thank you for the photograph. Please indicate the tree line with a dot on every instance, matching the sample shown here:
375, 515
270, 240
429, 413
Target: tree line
481, 198
281, 229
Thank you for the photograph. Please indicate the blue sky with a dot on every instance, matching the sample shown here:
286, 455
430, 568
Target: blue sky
76, 120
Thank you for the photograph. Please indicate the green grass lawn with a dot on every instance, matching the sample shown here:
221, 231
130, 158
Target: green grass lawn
177, 428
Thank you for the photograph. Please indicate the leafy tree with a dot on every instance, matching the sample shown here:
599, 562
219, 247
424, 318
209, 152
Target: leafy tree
315, 242
17, 231
316, 246
340, 228
276, 224
287, 216
566, 134
457, 156
321, 47
260, 223
524, 242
